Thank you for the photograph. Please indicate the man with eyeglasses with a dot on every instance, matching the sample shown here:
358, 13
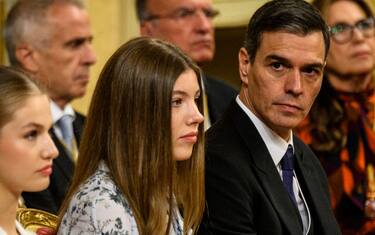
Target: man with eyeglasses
340, 127
189, 25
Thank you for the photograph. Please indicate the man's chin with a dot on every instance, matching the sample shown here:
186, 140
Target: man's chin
78, 94
202, 57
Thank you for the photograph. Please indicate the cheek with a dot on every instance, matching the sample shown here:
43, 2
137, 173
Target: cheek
182, 152
336, 52
175, 123
14, 171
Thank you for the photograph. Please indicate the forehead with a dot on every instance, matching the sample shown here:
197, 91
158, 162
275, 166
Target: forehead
344, 12
34, 108
168, 5
69, 20
187, 81
298, 49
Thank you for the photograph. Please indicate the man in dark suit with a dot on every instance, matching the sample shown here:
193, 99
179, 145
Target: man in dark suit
260, 179
51, 42
189, 25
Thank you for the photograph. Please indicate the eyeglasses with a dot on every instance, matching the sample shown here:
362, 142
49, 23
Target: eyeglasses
186, 14
343, 33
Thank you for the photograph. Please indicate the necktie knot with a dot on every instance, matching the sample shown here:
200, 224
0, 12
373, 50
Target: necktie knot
287, 162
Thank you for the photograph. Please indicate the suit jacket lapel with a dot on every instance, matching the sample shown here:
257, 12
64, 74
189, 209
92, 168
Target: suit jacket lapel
313, 189
265, 169
63, 162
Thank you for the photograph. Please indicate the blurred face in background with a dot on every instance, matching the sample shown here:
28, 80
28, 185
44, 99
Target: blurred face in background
26, 148
186, 117
63, 65
188, 24
352, 40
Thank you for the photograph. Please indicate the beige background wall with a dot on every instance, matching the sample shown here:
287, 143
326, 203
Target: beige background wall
114, 22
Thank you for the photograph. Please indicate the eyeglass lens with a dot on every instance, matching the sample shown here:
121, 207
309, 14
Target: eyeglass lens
343, 32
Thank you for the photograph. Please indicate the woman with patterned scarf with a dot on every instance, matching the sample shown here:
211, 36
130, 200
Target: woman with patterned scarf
340, 126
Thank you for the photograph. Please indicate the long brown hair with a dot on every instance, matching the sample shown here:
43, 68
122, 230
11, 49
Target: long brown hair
129, 128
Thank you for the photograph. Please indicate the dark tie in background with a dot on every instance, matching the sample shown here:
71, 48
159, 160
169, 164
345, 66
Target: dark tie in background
287, 166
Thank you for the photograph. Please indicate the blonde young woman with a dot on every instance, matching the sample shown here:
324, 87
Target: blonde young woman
26, 149
141, 156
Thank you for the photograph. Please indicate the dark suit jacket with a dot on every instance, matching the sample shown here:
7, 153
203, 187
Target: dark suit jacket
244, 190
219, 96
62, 171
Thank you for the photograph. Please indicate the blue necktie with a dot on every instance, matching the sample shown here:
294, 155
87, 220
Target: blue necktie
287, 166
66, 127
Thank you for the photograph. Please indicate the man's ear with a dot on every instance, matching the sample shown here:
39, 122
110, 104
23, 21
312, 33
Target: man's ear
244, 65
146, 29
26, 56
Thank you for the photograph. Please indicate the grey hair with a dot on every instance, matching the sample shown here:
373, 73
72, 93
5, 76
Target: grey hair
26, 22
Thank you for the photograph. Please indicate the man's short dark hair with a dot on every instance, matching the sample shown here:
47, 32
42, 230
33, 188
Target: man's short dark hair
292, 16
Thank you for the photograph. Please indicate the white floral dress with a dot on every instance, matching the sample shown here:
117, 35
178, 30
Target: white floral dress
99, 207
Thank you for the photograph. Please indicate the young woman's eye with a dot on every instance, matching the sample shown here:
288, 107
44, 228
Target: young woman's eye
31, 135
176, 102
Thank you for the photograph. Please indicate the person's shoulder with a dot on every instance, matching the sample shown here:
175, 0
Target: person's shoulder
306, 151
79, 116
100, 203
299, 144
219, 128
219, 85
98, 185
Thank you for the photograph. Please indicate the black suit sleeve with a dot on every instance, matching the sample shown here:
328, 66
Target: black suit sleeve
229, 206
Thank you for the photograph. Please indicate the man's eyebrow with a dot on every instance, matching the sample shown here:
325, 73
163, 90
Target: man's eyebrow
287, 62
279, 59
314, 65
79, 40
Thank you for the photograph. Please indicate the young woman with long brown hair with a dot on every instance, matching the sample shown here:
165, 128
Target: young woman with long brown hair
141, 156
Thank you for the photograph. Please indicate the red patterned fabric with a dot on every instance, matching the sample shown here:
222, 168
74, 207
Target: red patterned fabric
346, 167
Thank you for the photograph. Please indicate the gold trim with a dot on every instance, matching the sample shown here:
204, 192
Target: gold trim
33, 219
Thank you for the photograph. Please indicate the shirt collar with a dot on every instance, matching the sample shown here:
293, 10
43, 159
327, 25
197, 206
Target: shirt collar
276, 145
57, 112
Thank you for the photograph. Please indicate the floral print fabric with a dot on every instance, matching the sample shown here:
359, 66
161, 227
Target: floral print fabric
99, 207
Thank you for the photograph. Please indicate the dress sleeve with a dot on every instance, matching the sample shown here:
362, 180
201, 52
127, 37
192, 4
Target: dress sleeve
101, 210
